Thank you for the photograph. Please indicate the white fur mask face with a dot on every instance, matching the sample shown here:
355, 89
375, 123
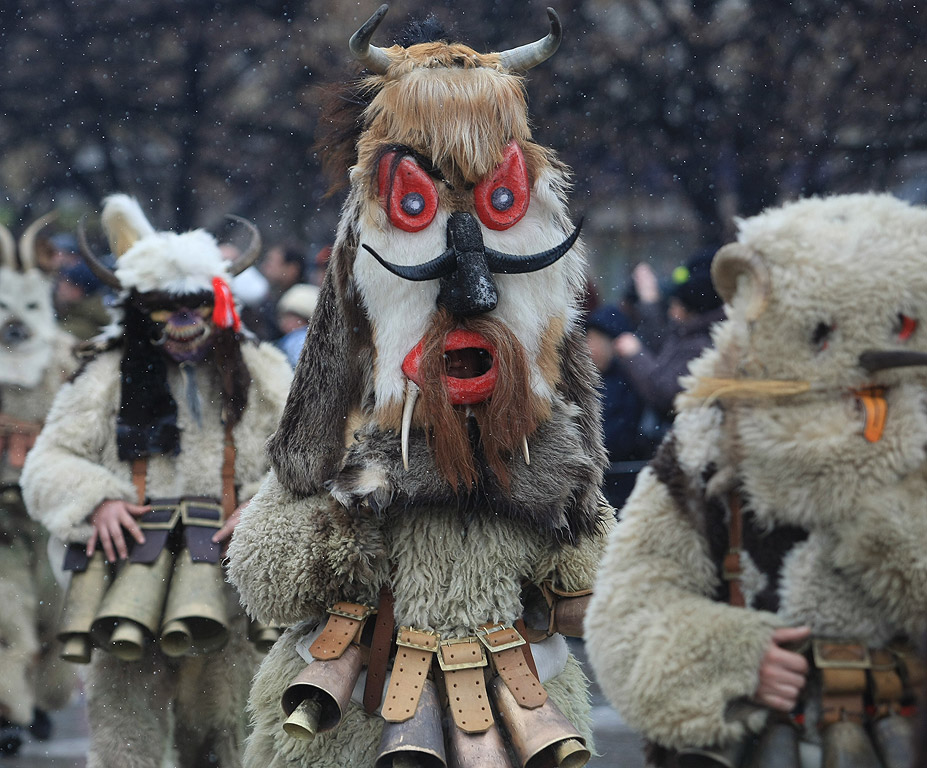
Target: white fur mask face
27, 326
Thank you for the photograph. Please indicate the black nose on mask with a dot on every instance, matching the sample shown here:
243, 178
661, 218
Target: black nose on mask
469, 289
15, 332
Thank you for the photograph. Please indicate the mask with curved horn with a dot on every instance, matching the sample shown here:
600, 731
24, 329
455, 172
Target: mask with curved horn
27, 241
254, 248
106, 275
374, 58
525, 57
7, 248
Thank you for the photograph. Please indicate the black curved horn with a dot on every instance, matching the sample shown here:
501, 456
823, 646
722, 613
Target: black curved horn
430, 270
508, 264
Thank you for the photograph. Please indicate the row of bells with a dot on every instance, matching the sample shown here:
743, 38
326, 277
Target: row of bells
542, 737
179, 602
887, 743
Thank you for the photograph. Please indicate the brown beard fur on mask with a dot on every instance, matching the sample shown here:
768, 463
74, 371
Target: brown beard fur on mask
509, 415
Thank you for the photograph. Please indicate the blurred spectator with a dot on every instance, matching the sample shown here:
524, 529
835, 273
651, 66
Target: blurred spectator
693, 308
621, 405
319, 265
282, 267
79, 301
293, 312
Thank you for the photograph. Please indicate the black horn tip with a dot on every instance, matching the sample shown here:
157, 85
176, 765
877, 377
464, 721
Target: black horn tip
555, 26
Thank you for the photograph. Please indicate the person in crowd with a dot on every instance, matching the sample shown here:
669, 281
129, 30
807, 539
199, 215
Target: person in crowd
159, 439
80, 301
294, 310
282, 266
693, 308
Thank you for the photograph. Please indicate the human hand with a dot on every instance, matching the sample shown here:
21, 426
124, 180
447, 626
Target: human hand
225, 532
645, 283
627, 345
782, 673
108, 520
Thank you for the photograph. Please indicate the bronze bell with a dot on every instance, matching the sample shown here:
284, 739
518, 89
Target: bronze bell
130, 614
776, 747
195, 620
846, 744
417, 742
476, 750
319, 696
894, 741
541, 736
81, 603
263, 636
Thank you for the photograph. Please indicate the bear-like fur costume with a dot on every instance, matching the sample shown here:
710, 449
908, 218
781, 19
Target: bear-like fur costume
457, 528
834, 517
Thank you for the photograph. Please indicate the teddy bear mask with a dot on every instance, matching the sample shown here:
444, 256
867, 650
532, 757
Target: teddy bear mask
445, 362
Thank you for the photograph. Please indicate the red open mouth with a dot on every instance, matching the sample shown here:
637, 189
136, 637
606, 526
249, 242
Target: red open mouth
469, 366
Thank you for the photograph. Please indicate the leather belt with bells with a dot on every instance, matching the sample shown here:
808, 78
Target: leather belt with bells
344, 626
504, 644
414, 653
462, 661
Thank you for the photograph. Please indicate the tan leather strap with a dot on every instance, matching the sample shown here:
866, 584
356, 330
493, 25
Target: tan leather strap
380, 647
526, 648
732, 568
504, 644
344, 625
140, 478
229, 494
886, 685
462, 663
842, 666
414, 653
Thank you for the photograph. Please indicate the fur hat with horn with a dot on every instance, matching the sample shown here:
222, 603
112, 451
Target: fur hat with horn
445, 351
27, 315
176, 307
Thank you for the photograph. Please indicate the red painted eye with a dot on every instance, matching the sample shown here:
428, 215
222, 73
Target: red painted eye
502, 199
906, 327
407, 193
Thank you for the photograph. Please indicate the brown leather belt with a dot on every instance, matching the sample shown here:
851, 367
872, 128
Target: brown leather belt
462, 661
415, 651
344, 626
505, 645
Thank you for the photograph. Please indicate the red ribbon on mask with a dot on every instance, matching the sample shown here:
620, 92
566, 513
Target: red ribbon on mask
223, 313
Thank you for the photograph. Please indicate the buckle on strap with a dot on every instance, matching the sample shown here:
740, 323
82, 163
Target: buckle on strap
353, 611
418, 639
161, 517
477, 656
499, 637
205, 514
840, 654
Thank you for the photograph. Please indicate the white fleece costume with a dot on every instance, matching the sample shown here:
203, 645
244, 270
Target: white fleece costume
834, 507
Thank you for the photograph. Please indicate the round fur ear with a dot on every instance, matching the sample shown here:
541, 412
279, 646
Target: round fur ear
124, 223
738, 271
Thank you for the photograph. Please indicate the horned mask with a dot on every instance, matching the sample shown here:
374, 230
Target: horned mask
176, 306
445, 351
27, 316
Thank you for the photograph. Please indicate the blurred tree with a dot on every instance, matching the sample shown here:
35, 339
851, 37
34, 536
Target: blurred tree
685, 112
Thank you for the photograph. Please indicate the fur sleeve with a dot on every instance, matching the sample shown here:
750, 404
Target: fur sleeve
292, 557
669, 658
271, 375
66, 474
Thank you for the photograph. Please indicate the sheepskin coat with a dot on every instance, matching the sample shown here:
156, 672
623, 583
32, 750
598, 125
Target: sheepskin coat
834, 520
73, 467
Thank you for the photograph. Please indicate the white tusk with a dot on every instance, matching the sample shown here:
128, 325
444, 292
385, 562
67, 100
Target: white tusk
524, 449
407, 409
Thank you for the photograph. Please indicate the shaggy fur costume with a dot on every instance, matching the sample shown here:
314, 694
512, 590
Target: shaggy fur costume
834, 522
31, 372
208, 693
341, 515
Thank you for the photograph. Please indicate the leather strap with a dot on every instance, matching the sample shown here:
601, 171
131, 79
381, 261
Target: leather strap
140, 478
414, 654
229, 494
732, 568
462, 663
504, 644
886, 687
842, 667
380, 647
344, 625
526, 648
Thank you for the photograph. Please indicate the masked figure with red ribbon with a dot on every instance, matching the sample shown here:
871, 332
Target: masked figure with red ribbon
140, 471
